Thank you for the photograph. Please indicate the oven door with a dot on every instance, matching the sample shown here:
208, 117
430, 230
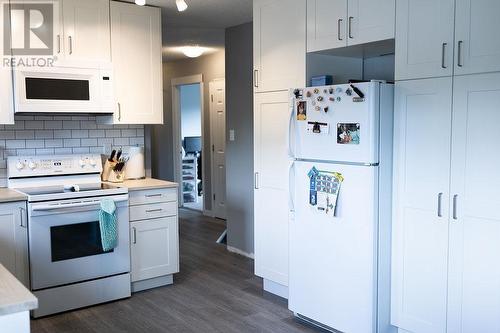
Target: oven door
65, 242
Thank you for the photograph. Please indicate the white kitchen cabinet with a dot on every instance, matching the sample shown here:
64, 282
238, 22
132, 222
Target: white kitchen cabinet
6, 97
476, 36
326, 24
279, 44
14, 240
421, 191
340, 23
271, 195
474, 290
154, 234
155, 249
137, 62
445, 252
86, 32
424, 38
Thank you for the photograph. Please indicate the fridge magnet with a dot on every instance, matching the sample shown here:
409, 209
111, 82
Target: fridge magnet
348, 134
324, 190
301, 110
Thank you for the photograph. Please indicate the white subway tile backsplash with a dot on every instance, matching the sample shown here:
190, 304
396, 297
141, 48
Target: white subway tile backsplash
48, 135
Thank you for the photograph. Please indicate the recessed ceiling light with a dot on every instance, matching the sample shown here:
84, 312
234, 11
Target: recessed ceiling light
181, 5
140, 2
193, 51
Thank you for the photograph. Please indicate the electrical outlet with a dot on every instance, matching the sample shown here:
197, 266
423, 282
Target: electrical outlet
231, 135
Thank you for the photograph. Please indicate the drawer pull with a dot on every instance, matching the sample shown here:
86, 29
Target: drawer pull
153, 195
154, 210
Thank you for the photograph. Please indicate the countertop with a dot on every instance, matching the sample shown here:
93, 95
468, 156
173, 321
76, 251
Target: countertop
146, 184
8, 195
14, 297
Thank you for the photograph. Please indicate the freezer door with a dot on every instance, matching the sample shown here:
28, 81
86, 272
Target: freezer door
332, 123
332, 256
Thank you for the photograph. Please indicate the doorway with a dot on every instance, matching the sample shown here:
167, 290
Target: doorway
187, 97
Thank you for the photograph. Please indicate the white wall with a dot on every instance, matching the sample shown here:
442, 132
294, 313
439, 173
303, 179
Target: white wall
190, 110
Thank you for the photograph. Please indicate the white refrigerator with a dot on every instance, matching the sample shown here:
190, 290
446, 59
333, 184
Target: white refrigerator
340, 200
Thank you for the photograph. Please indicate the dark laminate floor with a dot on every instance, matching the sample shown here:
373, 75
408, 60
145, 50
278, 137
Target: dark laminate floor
216, 291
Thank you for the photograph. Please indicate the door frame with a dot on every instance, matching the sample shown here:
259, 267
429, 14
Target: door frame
176, 130
212, 144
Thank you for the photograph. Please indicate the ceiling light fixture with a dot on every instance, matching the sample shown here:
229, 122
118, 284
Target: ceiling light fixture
181, 5
193, 51
140, 2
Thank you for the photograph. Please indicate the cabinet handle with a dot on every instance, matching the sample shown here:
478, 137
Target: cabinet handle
455, 199
256, 181
339, 23
459, 53
70, 45
440, 204
134, 234
350, 26
443, 55
153, 195
21, 215
256, 78
154, 210
119, 112
58, 44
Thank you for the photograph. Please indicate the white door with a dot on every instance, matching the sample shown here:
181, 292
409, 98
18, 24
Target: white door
137, 63
154, 248
422, 141
14, 240
218, 134
326, 24
271, 116
87, 31
279, 44
332, 255
474, 291
370, 21
476, 36
424, 38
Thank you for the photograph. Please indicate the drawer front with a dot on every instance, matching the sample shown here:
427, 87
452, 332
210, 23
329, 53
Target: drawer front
153, 211
152, 196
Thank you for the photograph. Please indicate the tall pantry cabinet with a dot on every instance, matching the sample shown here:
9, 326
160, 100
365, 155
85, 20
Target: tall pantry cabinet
279, 65
446, 223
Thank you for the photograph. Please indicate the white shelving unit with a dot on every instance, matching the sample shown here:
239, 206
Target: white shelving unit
190, 179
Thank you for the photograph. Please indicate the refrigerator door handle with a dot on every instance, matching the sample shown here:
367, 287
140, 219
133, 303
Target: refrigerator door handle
291, 129
291, 187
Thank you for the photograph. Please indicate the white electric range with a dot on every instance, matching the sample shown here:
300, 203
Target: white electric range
68, 267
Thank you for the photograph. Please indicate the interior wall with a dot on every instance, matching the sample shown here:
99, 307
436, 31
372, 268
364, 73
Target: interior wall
239, 153
190, 101
211, 67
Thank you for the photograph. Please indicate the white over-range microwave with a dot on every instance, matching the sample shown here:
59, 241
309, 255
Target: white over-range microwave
63, 90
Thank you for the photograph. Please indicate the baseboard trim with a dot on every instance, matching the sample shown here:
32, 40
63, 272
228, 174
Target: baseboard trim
208, 213
240, 252
276, 288
152, 283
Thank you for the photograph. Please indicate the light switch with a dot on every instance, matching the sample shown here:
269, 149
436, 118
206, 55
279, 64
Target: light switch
231, 135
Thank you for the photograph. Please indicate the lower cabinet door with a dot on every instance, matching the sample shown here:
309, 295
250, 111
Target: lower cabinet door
154, 248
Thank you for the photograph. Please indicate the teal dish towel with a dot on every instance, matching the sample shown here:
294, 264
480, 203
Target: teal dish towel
107, 223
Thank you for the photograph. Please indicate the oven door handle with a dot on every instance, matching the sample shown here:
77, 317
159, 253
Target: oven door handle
68, 205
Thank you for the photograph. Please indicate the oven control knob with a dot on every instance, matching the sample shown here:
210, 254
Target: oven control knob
32, 165
20, 165
83, 163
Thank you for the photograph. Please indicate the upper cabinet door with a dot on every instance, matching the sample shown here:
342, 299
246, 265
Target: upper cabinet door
476, 36
86, 30
422, 145
370, 21
137, 63
474, 293
424, 38
279, 44
326, 24
6, 96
